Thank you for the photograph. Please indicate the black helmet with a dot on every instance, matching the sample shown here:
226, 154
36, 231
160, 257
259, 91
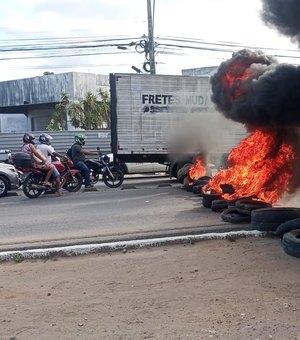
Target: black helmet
45, 139
28, 138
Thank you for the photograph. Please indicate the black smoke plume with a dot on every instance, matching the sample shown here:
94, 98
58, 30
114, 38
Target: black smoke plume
283, 15
255, 90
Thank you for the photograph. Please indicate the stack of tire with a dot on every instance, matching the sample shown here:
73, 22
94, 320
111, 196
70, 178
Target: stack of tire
240, 211
280, 221
283, 222
191, 185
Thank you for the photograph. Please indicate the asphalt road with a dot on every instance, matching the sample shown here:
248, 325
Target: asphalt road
141, 208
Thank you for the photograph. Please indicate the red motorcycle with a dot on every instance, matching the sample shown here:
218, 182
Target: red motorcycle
71, 179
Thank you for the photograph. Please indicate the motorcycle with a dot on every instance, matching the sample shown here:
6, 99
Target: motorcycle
112, 175
71, 179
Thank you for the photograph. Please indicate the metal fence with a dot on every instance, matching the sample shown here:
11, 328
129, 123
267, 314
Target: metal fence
62, 140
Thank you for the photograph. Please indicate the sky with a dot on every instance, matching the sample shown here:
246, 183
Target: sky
38, 36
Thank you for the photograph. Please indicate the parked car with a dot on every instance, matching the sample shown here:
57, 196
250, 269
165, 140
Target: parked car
5, 156
9, 178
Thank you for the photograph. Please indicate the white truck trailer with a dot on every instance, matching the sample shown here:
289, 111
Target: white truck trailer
164, 119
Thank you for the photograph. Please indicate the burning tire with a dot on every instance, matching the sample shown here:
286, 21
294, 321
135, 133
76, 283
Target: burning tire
291, 243
232, 202
287, 226
245, 206
219, 205
231, 215
268, 219
204, 178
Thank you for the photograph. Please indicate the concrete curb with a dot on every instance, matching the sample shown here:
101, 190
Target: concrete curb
85, 249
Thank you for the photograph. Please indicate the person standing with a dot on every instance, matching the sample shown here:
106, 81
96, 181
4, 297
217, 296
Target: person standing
78, 154
48, 151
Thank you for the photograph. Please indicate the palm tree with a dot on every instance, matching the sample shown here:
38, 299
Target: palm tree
89, 113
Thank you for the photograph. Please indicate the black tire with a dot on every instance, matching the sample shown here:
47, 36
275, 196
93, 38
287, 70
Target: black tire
197, 186
208, 198
231, 202
201, 182
287, 226
197, 189
115, 179
173, 170
73, 185
231, 215
204, 178
94, 176
268, 219
245, 206
175, 166
4, 186
219, 205
183, 172
187, 184
189, 188
291, 243
28, 186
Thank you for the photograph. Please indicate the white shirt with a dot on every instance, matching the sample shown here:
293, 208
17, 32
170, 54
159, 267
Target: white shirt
47, 150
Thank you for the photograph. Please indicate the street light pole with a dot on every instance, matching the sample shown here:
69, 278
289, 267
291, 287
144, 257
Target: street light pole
151, 40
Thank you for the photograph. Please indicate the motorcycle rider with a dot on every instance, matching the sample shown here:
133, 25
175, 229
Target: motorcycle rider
78, 156
39, 159
48, 151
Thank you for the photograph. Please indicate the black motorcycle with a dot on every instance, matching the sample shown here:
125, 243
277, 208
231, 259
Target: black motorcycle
112, 175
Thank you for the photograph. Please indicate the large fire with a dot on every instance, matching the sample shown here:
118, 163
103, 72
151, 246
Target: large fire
261, 166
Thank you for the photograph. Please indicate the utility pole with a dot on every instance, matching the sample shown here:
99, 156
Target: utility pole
150, 35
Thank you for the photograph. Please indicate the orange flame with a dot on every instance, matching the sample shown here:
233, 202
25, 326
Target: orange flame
198, 169
259, 166
235, 81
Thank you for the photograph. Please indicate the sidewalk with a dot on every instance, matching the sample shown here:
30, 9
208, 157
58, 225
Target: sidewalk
232, 289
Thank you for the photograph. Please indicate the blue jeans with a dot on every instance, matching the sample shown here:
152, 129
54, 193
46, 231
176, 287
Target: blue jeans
85, 172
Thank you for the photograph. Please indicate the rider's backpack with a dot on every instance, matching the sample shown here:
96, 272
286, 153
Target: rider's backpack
69, 153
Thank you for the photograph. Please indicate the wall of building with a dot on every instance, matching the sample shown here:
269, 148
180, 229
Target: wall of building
13, 123
48, 88
36, 97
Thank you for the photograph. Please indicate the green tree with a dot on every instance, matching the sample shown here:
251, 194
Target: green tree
58, 120
90, 113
